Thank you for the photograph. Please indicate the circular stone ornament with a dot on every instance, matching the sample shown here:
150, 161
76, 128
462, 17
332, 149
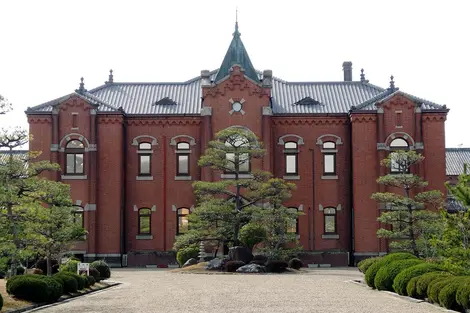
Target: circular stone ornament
237, 106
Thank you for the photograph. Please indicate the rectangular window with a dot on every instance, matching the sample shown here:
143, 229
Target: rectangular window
330, 220
183, 164
74, 120
144, 164
144, 221
398, 119
329, 166
244, 165
291, 164
78, 218
74, 163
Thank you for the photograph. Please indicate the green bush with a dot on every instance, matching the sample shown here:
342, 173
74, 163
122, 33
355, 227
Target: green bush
424, 281
386, 274
363, 265
96, 275
103, 268
375, 267
80, 280
70, 266
402, 279
1, 302
295, 263
91, 280
463, 296
56, 288
69, 282
86, 282
30, 288
436, 286
276, 266
447, 295
411, 287
20, 270
232, 266
251, 234
184, 254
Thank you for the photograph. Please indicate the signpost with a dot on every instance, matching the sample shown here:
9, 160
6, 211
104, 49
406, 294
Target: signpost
83, 267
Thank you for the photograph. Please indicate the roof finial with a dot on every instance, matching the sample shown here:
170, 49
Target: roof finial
363, 77
236, 33
111, 77
392, 83
82, 86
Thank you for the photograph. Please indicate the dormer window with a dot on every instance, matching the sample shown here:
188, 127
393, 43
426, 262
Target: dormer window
307, 101
165, 101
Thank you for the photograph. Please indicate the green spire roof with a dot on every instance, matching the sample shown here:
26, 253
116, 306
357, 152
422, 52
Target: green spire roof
236, 54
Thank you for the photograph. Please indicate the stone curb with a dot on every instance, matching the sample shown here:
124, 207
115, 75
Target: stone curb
40, 306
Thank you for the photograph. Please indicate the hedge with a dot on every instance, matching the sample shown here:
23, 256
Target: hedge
463, 296
401, 280
447, 295
31, 288
184, 254
69, 282
96, 275
424, 281
375, 267
91, 280
103, 268
436, 286
363, 265
387, 273
411, 287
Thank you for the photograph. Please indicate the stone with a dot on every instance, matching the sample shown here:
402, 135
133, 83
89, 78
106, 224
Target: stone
215, 264
251, 268
191, 261
240, 253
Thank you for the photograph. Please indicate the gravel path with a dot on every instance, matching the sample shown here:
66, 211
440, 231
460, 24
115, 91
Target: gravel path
321, 290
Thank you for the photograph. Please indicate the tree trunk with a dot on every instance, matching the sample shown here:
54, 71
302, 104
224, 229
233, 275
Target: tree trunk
410, 226
238, 209
49, 267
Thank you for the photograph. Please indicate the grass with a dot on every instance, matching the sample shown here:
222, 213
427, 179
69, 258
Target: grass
199, 269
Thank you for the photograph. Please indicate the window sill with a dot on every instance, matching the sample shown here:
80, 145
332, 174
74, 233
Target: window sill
183, 178
74, 177
333, 177
330, 236
232, 176
143, 237
291, 177
144, 177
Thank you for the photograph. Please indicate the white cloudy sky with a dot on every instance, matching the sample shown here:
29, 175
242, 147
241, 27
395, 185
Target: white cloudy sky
46, 46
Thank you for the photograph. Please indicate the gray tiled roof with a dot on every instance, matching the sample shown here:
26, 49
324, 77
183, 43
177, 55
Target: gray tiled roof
140, 98
371, 104
21, 155
455, 159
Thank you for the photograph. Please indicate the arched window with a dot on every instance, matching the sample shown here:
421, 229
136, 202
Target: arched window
145, 158
74, 152
145, 222
183, 222
293, 225
238, 158
78, 217
290, 152
329, 158
182, 162
329, 215
398, 164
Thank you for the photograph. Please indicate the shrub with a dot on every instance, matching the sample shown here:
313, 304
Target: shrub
42, 265
2, 274
1, 302
56, 288
375, 267
295, 263
69, 282
276, 266
363, 265
411, 287
103, 268
401, 280
86, 282
423, 282
30, 288
447, 295
20, 270
91, 280
435, 287
463, 296
187, 253
80, 280
70, 266
386, 274
251, 234
96, 275
232, 266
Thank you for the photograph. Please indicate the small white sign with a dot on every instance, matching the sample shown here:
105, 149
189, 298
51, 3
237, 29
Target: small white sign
83, 267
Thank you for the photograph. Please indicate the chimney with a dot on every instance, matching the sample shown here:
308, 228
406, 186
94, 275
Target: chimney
347, 69
205, 78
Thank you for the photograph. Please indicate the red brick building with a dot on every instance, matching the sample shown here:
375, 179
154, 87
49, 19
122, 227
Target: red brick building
130, 151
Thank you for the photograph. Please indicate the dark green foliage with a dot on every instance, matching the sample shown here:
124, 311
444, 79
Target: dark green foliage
91, 280
30, 288
295, 263
2, 274
251, 234
184, 254
386, 274
86, 282
401, 280
69, 282
424, 281
103, 268
375, 267
78, 278
20, 270
1, 302
463, 296
55, 286
276, 266
411, 287
447, 295
96, 275
436, 286
363, 265
232, 266
70, 266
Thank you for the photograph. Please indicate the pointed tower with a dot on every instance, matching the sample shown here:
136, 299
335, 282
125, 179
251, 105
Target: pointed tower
236, 54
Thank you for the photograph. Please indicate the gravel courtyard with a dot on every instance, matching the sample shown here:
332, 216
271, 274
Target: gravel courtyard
320, 290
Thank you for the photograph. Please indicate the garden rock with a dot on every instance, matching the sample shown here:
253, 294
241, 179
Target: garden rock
190, 262
240, 253
215, 264
251, 268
